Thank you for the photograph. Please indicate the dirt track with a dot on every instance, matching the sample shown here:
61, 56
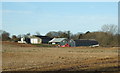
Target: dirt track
31, 58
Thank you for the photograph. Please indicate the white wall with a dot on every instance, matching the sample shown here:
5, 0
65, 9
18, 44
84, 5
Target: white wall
35, 41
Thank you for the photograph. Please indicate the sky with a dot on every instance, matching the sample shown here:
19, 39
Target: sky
60, 0
31, 17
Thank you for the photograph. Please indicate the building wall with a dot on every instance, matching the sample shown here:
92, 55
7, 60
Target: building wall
46, 40
71, 43
36, 41
86, 43
63, 42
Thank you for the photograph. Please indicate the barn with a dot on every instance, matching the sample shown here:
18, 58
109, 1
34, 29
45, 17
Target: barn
86, 42
60, 41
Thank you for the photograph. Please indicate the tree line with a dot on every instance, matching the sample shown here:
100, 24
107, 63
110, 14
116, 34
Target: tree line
107, 36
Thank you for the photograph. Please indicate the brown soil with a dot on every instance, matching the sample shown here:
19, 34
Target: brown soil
26, 57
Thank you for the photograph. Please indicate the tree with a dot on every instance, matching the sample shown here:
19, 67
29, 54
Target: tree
76, 36
19, 36
64, 35
1, 31
15, 38
80, 36
87, 32
60, 34
69, 34
5, 36
110, 28
28, 34
53, 34
38, 33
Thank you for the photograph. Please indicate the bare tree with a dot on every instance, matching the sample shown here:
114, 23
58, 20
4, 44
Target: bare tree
38, 33
53, 34
4, 36
110, 28
14, 38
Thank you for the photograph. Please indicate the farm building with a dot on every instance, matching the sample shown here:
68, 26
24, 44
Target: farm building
86, 42
35, 39
74, 43
24, 40
60, 41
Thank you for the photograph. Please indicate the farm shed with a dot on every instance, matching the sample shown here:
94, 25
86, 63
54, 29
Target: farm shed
24, 40
35, 39
60, 41
86, 42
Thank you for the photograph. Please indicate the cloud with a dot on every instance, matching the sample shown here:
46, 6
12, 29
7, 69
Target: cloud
15, 11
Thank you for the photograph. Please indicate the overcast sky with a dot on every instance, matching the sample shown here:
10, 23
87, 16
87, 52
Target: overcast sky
24, 17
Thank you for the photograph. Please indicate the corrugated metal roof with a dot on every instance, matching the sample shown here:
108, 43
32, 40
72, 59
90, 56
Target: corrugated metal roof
57, 39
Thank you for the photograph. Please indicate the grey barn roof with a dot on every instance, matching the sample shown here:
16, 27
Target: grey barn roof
57, 39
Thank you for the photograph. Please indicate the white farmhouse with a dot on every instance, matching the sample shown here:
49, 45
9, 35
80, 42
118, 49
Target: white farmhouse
35, 40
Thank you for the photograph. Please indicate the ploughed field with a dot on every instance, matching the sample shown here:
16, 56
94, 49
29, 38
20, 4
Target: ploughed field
24, 57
